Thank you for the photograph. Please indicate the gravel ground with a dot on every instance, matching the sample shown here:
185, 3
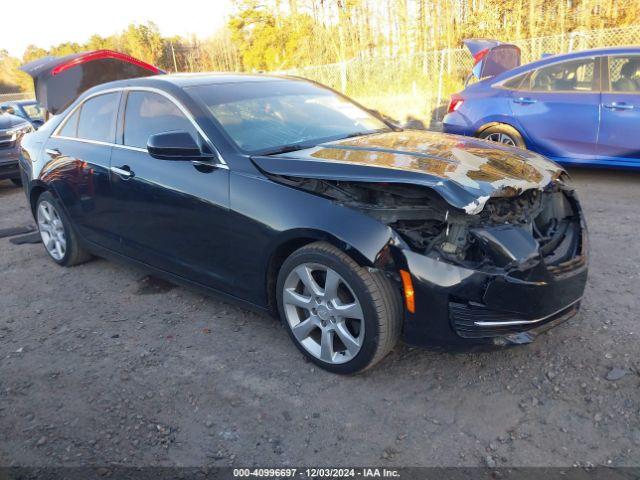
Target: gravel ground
100, 365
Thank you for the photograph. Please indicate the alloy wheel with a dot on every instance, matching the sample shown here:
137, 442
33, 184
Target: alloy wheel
323, 313
501, 138
51, 230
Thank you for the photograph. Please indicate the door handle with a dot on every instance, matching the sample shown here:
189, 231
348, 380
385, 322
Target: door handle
524, 100
53, 152
618, 106
123, 171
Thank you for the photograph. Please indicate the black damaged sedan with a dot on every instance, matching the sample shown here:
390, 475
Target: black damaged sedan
290, 198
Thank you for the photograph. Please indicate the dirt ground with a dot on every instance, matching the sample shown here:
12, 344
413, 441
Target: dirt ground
98, 365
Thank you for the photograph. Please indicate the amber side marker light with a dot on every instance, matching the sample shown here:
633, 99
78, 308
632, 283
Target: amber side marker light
409, 293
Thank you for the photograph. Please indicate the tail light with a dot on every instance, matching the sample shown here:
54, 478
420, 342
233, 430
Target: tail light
455, 103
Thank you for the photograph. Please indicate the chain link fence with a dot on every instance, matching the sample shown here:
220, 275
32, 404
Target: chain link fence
417, 87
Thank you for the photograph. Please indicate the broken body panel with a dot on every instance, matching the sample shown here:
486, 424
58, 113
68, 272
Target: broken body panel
487, 233
464, 171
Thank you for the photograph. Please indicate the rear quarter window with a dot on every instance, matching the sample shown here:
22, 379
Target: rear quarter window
98, 118
70, 127
517, 83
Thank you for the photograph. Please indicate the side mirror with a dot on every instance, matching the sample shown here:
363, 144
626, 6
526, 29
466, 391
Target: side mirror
176, 145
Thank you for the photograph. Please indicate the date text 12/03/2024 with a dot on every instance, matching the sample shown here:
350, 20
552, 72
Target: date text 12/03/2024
316, 472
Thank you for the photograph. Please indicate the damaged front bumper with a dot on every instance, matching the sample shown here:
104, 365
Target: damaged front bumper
459, 305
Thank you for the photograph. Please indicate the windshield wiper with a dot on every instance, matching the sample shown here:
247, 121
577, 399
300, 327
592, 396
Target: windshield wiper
294, 147
365, 132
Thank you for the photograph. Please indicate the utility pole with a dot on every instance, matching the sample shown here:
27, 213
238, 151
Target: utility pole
173, 54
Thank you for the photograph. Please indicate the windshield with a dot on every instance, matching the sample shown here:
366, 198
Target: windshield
33, 111
265, 117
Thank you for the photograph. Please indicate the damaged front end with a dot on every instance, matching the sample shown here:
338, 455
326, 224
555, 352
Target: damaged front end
499, 275
509, 234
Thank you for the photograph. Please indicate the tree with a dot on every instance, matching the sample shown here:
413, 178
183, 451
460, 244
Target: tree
284, 34
143, 42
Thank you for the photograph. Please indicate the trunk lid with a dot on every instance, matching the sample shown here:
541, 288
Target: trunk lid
492, 57
58, 81
465, 171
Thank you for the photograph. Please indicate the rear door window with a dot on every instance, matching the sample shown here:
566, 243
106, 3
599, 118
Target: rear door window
98, 118
572, 76
149, 113
624, 74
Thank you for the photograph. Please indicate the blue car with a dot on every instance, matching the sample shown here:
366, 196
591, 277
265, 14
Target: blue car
580, 108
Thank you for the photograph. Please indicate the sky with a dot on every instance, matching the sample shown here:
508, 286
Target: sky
46, 23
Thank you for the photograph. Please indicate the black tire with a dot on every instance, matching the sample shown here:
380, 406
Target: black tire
379, 299
506, 131
17, 181
74, 254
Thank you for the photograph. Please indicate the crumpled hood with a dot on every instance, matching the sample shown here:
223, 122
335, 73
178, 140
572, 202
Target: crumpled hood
465, 171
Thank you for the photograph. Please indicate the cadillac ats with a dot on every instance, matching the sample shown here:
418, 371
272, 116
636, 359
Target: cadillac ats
288, 197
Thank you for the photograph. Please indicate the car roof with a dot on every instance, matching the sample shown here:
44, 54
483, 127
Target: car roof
194, 79
180, 81
177, 82
526, 67
588, 53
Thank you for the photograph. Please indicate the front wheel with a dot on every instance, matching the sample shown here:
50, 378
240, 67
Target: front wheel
343, 317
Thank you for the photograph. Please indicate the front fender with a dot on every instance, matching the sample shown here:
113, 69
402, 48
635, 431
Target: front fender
367, 252
275, 214
293, 213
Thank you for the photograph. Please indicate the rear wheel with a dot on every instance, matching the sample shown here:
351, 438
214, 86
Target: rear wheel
57, 234
343, 317
17, 181
503, 134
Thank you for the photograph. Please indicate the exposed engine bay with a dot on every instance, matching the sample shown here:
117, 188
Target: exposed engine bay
510, 232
